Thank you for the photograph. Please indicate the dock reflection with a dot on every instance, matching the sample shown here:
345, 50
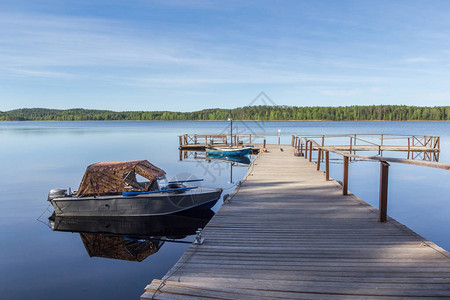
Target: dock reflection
131, 238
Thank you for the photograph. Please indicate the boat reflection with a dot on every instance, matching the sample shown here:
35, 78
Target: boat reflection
131, 238
119, 247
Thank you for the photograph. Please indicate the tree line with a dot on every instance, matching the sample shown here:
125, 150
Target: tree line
265, 113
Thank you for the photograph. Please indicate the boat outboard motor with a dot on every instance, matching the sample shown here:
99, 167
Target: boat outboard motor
56, 193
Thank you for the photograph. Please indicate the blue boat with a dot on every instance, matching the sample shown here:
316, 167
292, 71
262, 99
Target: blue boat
228, 151
245, 160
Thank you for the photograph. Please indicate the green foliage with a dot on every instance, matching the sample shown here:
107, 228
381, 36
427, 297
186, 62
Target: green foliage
266, 113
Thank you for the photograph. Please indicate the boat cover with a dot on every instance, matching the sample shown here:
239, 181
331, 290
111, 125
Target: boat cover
118, 177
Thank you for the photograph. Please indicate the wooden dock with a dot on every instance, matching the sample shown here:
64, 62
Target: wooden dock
288, 233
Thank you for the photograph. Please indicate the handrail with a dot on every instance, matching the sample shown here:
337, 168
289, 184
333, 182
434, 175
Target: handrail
323, 151
359, 139
188, 140
429, 164
429, 146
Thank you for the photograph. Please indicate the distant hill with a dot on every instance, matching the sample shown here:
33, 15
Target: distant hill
341, 113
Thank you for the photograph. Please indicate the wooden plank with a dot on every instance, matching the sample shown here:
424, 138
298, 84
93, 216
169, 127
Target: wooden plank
290, 234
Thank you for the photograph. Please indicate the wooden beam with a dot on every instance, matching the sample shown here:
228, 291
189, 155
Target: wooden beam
327, 165
319, 154
384, 172
345, 177
306, 149
310, 150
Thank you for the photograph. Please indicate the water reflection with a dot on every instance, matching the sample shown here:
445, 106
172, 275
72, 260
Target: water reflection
119, 247
131, 238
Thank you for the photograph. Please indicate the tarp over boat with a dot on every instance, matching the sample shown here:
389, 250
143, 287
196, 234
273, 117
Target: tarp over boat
117, 177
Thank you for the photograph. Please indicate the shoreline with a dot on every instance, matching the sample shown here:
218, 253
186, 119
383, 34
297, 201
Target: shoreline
223, 121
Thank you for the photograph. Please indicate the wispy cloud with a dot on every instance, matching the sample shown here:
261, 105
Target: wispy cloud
205, 47
414, 60
67, 47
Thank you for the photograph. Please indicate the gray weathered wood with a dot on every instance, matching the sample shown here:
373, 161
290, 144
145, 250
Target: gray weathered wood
289, 234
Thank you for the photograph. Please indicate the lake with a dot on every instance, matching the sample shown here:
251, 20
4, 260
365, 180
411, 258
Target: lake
39, 263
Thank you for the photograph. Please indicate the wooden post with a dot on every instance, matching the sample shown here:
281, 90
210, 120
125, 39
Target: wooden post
250, 138
323, 144
180, 141
310, 150
319, 154
381, 140
345, 177
264, 143
409, 144
301, 148
327, 165
181, 155
195, 139
231, 131
384, 171
306, 149
351, 139
279, 135
293, 141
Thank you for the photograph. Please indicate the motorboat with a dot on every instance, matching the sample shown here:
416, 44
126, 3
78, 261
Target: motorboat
245, 160
112, 189
228, 151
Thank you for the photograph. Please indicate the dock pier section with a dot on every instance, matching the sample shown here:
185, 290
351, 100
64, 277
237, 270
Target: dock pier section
290, 231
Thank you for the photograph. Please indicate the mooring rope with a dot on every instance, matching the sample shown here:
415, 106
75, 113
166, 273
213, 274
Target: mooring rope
45, 210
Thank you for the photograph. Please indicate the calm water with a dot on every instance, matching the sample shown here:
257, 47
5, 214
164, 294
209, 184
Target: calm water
37, 156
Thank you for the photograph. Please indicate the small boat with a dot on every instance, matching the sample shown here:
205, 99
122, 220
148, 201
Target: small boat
245, 160
228, 151
111, 189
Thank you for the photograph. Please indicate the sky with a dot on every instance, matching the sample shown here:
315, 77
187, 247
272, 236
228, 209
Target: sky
189, 55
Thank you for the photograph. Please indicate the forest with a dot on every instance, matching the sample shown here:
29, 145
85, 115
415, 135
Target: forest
265, 113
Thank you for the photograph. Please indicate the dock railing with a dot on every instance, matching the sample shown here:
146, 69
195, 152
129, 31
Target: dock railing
414, 145
311, 145
187, 140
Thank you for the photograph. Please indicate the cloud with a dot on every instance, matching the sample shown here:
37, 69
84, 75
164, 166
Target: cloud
41, 74
49, 46
414, 60
353, 92
122, 53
